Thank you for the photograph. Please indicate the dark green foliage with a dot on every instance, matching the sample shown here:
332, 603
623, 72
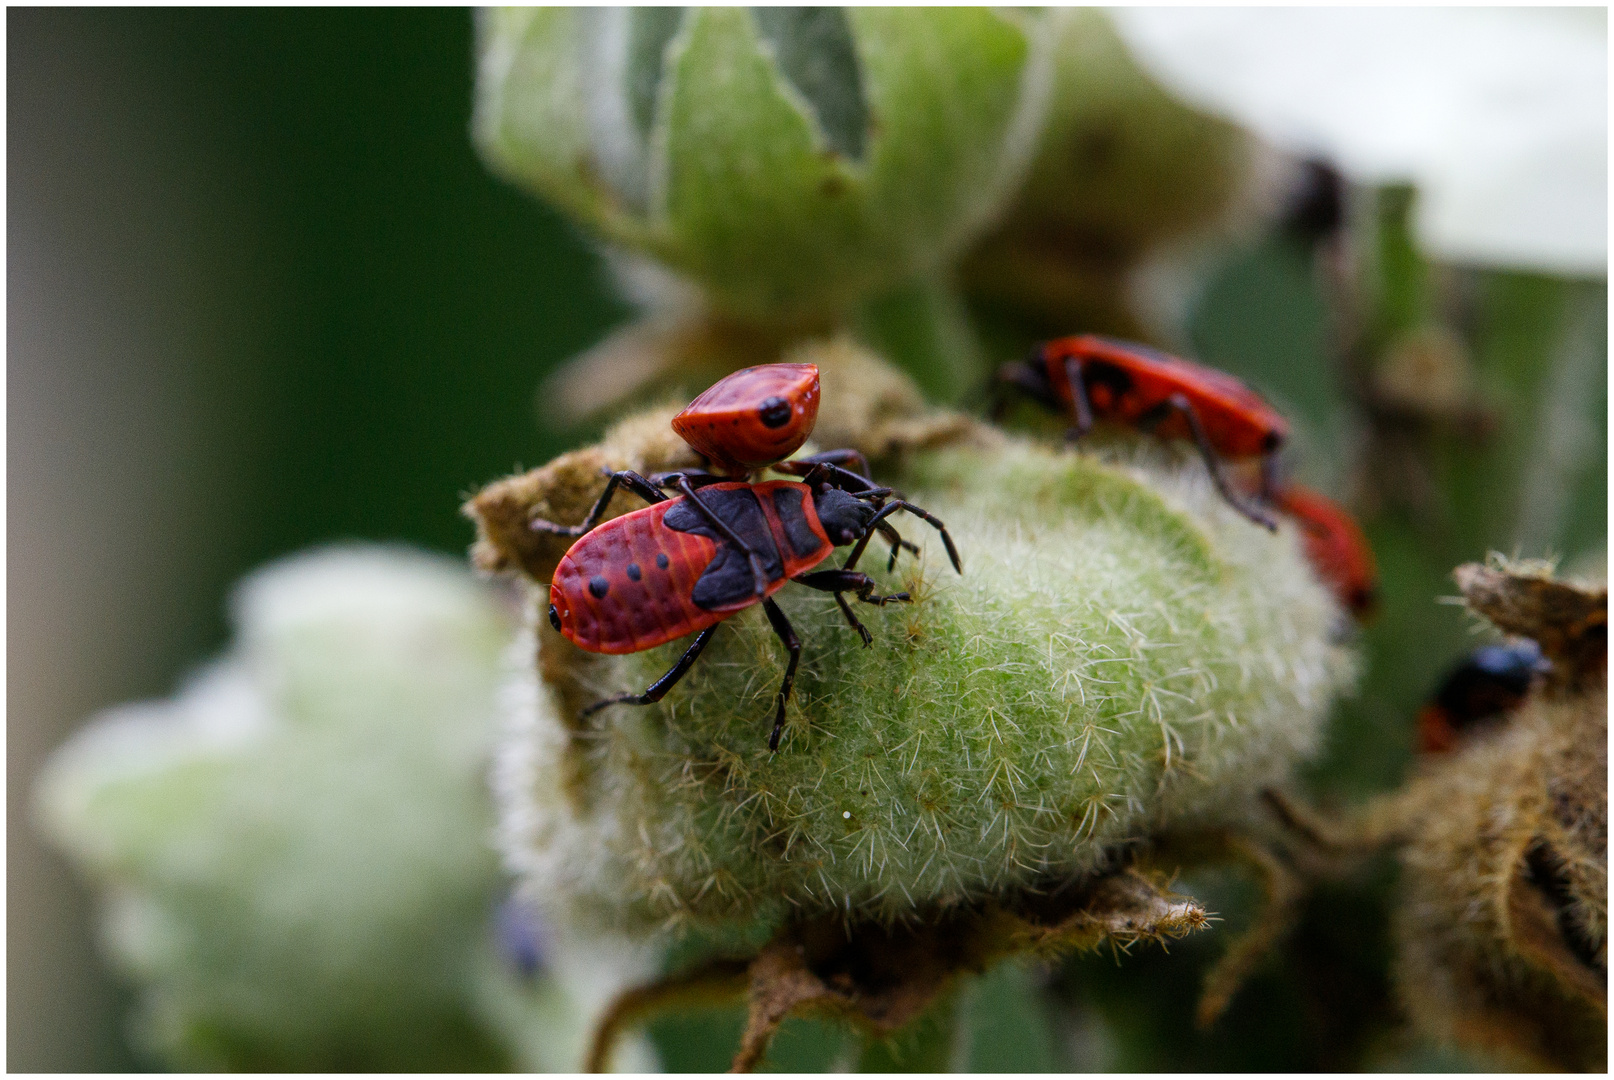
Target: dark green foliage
814, 49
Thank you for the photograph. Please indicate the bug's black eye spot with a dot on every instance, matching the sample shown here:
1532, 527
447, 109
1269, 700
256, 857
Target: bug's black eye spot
661, 561
554, 617
598, 586
775, 412
633, 571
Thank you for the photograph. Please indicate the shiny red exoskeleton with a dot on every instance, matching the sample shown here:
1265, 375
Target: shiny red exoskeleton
1099, 378
752, 418
1488, 683
638, 581
682, 565
1336, 547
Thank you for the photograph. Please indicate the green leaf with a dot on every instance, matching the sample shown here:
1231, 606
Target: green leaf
790, 161
813, 48
1005, 1023
532, 111
650, 29
947, 150
746, 199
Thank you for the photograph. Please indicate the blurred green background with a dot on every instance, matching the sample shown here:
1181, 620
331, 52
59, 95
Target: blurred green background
263, 295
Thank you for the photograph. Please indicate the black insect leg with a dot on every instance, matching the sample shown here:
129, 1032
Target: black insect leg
936, 523
635, 483
897, 544
781, 626
659, 688
852, 621
1029, 376
815, 473
696, 479
846, 459
1082, 408
845, 581
1213, 462
1269, 476
681, 482
886, 511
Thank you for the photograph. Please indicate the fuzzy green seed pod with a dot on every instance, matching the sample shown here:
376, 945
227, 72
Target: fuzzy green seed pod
1122, 653
291, 853
790, 162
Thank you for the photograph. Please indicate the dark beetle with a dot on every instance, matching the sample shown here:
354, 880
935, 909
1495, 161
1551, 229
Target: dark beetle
1489, 682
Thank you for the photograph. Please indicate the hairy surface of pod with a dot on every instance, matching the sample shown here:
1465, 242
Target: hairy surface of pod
1123, 652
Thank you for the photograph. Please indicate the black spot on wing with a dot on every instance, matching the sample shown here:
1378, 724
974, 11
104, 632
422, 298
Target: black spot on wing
775, 412
598, 586
728, 578
634, 573
787, 503
661, 560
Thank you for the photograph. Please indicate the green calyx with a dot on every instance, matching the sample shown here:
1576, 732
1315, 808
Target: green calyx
790, 161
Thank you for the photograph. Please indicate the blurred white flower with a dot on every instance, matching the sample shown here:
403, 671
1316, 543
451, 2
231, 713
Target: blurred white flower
1499, 116
292, 854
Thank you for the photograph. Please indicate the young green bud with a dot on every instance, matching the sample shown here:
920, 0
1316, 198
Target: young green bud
790, 161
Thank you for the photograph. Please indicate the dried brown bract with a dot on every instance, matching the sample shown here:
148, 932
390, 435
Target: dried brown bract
1502, 921
1568, 621
880, 977
564, 490
1502, 927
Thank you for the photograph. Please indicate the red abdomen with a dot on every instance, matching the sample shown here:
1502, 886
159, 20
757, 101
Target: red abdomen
1335, 545
1436, 733
753, 418
1126, 382
636, 582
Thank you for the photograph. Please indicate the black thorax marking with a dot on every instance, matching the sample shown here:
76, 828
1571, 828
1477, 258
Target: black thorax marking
727, 578
787, 504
